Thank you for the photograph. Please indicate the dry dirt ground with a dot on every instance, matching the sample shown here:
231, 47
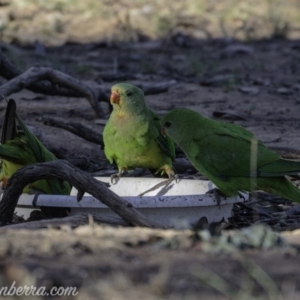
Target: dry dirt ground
255, 85
133, 263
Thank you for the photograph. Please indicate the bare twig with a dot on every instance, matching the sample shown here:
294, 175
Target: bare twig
60, 169
76, 128
35, 74
72, 221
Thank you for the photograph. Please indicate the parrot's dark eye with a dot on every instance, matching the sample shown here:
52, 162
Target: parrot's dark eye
128, 93
167, 124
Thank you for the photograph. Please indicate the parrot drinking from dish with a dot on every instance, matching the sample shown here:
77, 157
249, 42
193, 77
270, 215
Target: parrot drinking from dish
20, 148
230, 156
132, 136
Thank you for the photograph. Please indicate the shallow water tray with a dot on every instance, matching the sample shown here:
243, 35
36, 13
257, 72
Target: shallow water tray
178, 204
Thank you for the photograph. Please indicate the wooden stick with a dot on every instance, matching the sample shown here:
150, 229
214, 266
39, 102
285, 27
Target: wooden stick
61, 169
76, 128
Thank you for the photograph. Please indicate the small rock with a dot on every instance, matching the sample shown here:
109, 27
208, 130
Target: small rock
284, 91
249, 90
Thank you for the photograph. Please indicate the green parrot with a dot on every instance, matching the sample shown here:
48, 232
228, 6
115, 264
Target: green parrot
230, 156
21, 148
132, 136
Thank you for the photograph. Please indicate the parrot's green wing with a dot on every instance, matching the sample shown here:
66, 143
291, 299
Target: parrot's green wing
41, 153
164, 142
16, 151
229, 155
108, 151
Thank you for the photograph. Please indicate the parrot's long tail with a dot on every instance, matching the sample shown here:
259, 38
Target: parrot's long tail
280, 186
279, 168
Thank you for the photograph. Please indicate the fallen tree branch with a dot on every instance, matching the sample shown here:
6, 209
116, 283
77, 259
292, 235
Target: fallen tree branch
72, 221
35, 74
76, 128
60, 169
9, 71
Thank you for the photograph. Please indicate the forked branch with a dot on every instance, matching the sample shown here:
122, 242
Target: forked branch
60, 169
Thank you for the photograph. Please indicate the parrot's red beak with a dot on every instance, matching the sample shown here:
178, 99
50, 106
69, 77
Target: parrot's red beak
114, 98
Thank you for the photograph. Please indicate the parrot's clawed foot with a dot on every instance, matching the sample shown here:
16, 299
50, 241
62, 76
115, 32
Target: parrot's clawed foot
116, 177
216, 192
169, 171
172, 173
175, 177
172, 176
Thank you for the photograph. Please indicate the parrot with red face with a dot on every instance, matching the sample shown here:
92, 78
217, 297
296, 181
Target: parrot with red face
132, 136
